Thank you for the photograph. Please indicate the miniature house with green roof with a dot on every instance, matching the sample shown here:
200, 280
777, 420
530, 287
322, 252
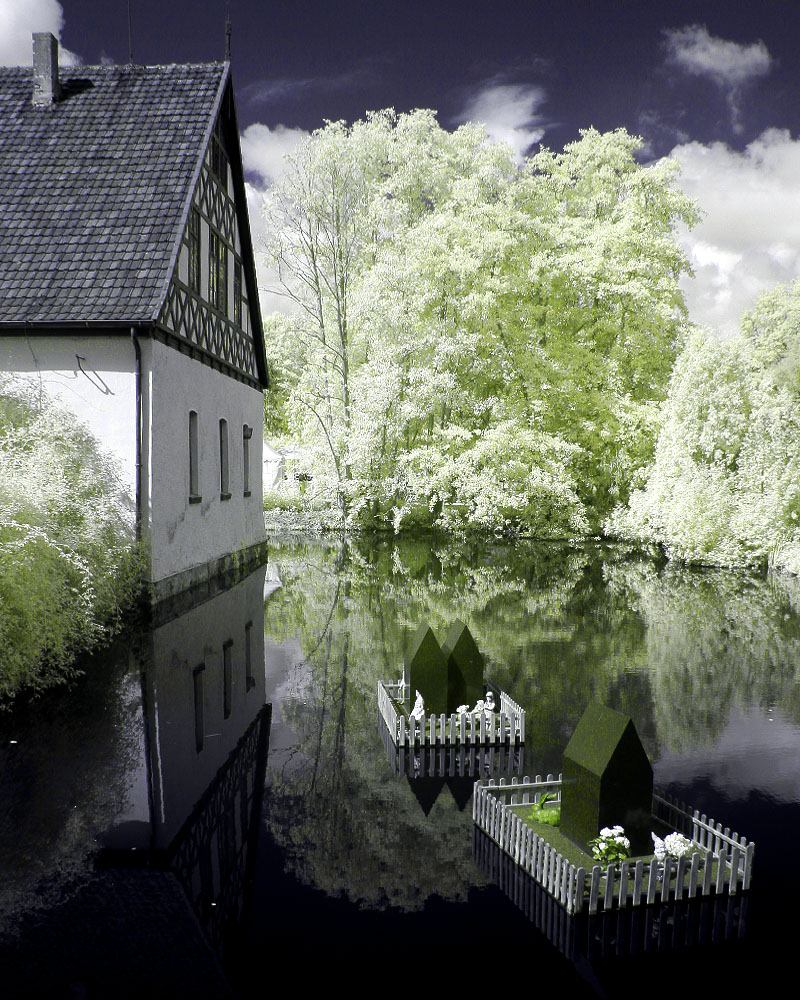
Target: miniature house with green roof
128, 293
440, 698
607, 780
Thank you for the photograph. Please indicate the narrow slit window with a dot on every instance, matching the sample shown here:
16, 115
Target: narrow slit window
194, 459
249, 680
227, 677
194, 250
237, 292
218, 272
197, 677
224, 480
219, 161
247, 433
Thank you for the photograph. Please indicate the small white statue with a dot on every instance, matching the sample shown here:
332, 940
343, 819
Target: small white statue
485, 706
419, 708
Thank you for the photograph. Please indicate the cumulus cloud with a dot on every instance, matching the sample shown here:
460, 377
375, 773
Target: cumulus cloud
19, 19
266, 277
509, 112
264, 152
264, 149
731, 65
749, 238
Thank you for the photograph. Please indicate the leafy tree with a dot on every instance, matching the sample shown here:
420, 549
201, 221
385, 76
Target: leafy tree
724, 487
475, 343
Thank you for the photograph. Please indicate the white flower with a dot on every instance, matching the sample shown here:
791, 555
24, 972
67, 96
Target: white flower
673, 846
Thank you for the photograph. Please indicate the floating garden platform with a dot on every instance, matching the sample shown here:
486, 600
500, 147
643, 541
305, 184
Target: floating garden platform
468, 729
720, 862
617, 933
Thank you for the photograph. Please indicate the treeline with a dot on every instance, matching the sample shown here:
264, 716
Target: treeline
69, 566
724, 487
475, 343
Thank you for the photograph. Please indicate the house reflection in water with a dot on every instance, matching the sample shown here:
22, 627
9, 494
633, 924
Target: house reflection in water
196, 802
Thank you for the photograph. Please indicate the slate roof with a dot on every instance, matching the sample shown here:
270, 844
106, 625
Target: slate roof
95, 188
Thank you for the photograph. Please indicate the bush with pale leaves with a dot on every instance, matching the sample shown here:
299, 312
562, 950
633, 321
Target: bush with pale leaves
69, 567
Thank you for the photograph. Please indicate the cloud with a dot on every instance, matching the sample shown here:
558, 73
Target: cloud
697, 52
263, 153
19, 19
264, 149
282, 89
509, 113
731, 65
749, 238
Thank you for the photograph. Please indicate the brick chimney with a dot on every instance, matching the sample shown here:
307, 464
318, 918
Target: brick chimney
46, 88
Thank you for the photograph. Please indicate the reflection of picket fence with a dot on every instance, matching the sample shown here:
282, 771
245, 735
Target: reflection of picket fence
721, 863
453, 761
505, 726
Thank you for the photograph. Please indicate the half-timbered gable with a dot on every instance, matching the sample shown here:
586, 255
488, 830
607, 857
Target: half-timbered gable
212, 301
128, 291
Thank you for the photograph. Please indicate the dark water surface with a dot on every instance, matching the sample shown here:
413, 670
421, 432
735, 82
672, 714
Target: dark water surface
163, 833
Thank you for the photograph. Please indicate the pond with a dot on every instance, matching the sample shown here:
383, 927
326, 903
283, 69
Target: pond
159, 804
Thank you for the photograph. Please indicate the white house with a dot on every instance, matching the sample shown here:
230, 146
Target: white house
128, 290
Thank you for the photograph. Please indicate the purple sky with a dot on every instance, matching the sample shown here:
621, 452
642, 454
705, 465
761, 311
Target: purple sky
714, 83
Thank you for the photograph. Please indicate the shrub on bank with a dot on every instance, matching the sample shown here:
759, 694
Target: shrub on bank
69, 567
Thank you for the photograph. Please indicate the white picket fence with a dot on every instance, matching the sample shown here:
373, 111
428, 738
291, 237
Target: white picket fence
507, 725
722, 862
618, 932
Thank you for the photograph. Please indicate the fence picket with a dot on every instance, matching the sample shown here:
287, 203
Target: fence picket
652, 882
722, 864
638, 873
694, 871
735, 855
594, 888
608, 898
748, 864
666, 878
624, 869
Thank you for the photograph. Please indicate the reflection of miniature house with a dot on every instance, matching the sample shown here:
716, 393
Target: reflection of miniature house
446, 679
607, 780
430, 768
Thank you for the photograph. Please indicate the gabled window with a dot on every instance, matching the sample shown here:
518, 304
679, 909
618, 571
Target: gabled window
224, 482
237, 291
218, 272
194, 250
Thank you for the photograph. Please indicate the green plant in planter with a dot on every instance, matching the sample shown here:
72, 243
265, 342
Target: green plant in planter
543, 814
612, 845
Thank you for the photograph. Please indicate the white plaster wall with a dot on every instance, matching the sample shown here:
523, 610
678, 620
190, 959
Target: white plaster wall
185, 535
99, 389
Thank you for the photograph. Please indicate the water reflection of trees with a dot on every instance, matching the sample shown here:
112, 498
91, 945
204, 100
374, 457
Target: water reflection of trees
714, 638
64, 778
559, 626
